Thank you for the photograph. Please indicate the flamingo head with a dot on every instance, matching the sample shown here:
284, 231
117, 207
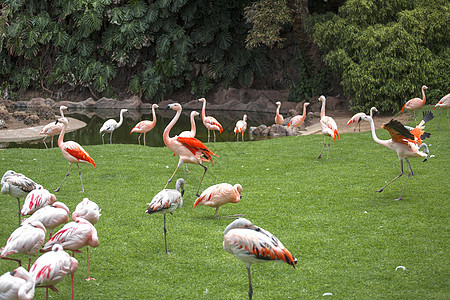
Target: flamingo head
62, 107
174, 106
155, 106
278, 103
424, 87
322, 98
306, 104
202, 100
62, 120
245, 118
194, 113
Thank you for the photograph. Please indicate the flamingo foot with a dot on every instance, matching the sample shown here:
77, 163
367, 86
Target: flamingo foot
89, 278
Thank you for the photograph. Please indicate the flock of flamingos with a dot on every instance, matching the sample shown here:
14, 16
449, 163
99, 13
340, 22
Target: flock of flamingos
248, 242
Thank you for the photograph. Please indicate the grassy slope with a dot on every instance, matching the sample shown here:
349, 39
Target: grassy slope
347, 238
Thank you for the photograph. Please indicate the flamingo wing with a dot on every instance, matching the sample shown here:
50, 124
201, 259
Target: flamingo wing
76, 151
73, 236
213, 122
356, 118
194, 145
22, 182
329, 124
398, 132
165, 201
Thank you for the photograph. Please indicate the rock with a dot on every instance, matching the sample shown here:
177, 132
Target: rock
19, 115
31, 119
277, 130
40, 102
261, 130
89, 103
45, 112
4, 114
292, 131
132, 103
104, 103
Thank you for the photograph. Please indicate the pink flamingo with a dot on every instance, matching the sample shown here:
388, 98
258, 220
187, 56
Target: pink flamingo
218, 195
190, 133
73, 236
407, 143
166, 201
28, 238
73, 152
18, 284
190, 150
329, 127
145, 126
445, 104
241, 127
52, 267
210, 122
110, 125
252, 244
37, 199
52, 128
298, 120
416, 103
51, 216
278, 118
87, 210
17, 185
357, 118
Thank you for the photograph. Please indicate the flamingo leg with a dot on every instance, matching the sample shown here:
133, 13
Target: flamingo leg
103, 139
250, 289
399, 175
110, 138
139, 139
215, 214
197, 194
328, 151
89, 272
18, 201
144, 138
17, 260
43, 140
439, 119
71, 279
214, 132
67, 175
165, 233
208, 135
410, 173
52, 141
324, 144
79, 173
242, 136
170, 179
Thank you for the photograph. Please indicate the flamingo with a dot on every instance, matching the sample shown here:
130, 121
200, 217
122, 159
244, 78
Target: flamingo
52, 267
241, 127
18, 284
445, 104
252, 244
110, 125
416, 103
73, 152
37, 199
28, 238
87, 210
407, 143
218, 195
73, 236
210, 122
145, 126
190, 150
52, 128
357, 118
278, 118
166, 201
51, 216
17, 185
192, 132
298, 120
329, 127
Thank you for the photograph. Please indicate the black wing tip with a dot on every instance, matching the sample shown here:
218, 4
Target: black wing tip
400, 128
427, 116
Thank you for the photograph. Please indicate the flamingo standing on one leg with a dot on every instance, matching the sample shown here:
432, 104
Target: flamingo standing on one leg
241, 127
416, 103
28, 238
407, 143
52, 267
252, 244
298, 120
445, 104
18, 284
51, 216
190, 150
52, 128
357, 118
73, 152
329, 127
278, 118
218, 195
35, 200
110, 125
166, 201
210, 122
17, 185
145, 126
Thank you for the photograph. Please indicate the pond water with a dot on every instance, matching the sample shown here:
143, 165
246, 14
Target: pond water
89, 135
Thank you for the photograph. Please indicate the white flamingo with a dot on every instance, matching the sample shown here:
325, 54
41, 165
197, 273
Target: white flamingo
51, 216
53, 128
110, 125
37, 199
241, 127
87, 210
357, 118
18, 284
329, 127
210, 122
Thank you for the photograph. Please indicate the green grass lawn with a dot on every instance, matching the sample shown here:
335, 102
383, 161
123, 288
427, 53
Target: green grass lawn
347, 238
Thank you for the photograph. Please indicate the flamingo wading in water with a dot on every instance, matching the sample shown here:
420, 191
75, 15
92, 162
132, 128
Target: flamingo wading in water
445, 104
357, 118
241, 127
190, 150
73, 152
210, 122
329, 127
407, 143
52, 128
278, 118
110, 125
416, 103
145, 126
18, 284
298, 120
166, 201
218, 195
252, 244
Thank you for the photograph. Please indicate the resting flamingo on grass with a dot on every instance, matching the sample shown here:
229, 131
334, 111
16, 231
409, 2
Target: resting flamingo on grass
416, 103
37, 199
87, 210
298, 120
445, 104
51, 216
190, 150
210, 122
145, 126
407, 143
278, 118
110, 125
241, 127
218, 195
18, 284
357, 118
73, 152
252, 244
52, 128
167, 201
329, 127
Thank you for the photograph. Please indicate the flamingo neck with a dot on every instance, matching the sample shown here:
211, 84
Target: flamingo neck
170, 125
371, 112
278, 109
304, 111
322, 110
121, 118
61, 136
424, 99
153, 114
204, 110
25, 289
193, 129
61, 111
374, 135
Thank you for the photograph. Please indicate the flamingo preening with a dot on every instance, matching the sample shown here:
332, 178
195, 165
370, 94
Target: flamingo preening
252, 244
407, 143
51, 216
357, 118
87, 210
18, 284
278, 118
416, 103
145, 126
190, 150
73, 152
210, 122
37, 199
241, 127
166, 201
445, 104
218, 195
52, 128
110, 125
298, 120
329, 127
